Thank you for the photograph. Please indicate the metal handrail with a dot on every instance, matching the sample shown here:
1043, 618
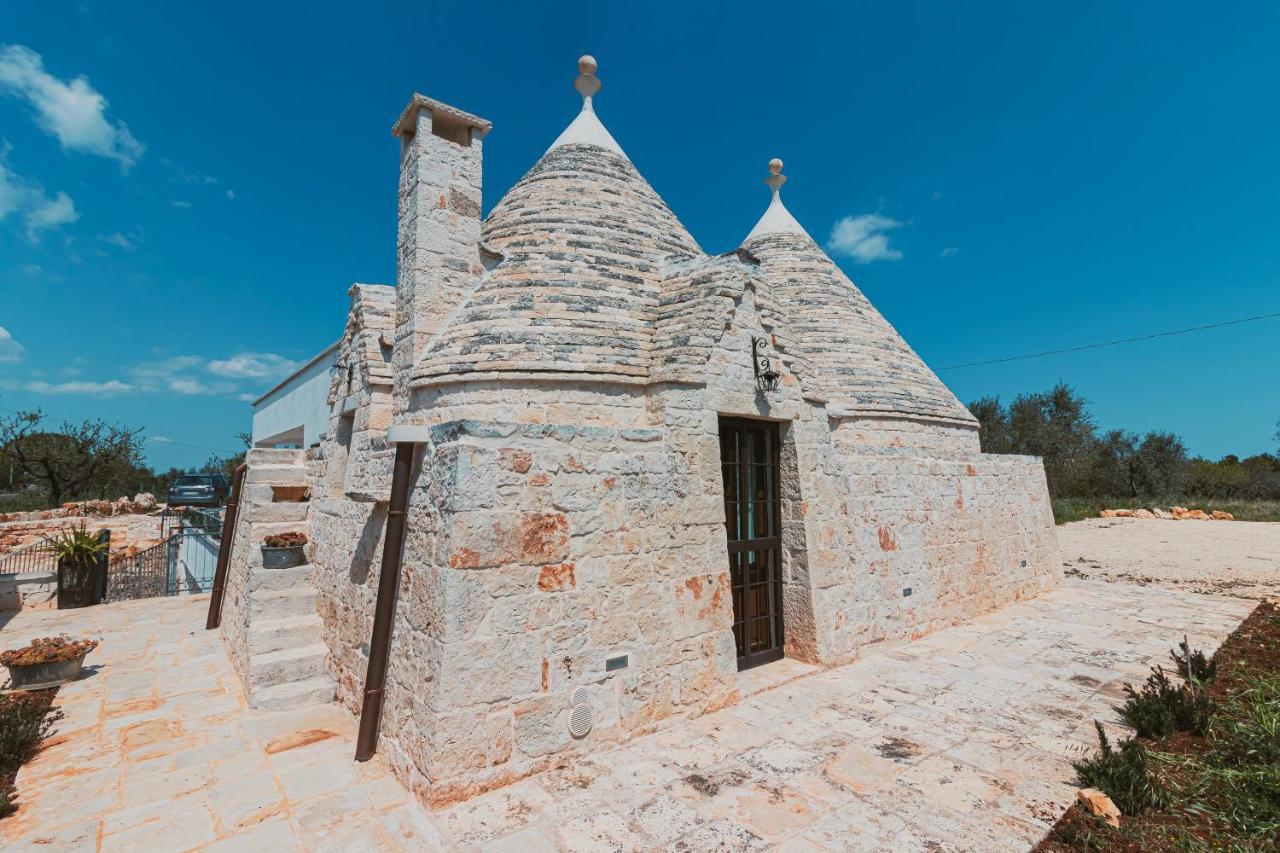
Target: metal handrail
32, 557
214, 618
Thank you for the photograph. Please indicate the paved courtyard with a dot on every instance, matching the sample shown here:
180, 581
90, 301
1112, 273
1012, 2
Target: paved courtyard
959, 741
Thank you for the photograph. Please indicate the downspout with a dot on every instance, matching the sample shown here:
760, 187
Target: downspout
224, 547
385, 610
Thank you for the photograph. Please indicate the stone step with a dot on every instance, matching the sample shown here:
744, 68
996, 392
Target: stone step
263, 529
275, 456
294, 694
273, 604
286, 665
280, 579
276, 475
272, 635
287, 511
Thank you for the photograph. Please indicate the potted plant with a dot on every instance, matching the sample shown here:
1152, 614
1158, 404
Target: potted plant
81, 573
46, 662
283, 550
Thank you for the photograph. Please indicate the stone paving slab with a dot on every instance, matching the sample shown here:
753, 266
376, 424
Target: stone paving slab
958, 741
159, 751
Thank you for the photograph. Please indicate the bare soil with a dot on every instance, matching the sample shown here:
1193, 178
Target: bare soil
1240, 558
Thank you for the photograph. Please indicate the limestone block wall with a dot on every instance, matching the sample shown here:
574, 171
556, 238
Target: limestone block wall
919, 543
350, 475
534, 553
259, 514
347, 538
902, 436
28, 590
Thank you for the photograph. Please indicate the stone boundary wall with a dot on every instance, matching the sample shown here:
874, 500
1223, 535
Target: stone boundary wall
930, 542
28, 590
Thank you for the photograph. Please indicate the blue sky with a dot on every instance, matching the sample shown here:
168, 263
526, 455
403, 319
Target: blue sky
186, 196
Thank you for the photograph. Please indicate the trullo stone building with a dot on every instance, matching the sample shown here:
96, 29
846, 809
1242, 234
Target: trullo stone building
633, 469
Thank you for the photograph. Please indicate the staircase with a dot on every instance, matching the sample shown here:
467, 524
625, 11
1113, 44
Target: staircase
283, 633
286, 653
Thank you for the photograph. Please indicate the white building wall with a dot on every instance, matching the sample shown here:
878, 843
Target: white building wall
297, 410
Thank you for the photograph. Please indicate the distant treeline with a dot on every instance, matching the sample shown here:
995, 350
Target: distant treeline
1080, 461
43, 464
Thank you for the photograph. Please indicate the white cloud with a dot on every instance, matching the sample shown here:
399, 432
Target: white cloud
187, 386
161, 439
936, 195
10, 350
73, 110
39, 211
180, 204
32, 270
50, 213
231, 194
182, 375
98, 389
253, 365
949, 252
864, 238
155, 375
120, 240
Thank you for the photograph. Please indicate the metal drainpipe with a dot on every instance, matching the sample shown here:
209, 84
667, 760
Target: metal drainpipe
385, 609
224, 547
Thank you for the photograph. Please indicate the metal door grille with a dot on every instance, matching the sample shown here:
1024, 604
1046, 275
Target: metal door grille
749, 465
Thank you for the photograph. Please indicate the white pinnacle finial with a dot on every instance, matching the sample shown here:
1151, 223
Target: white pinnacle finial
586, 129
776, 179
777, 219
587, 84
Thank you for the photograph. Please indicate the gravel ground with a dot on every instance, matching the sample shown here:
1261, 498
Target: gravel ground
1239, 558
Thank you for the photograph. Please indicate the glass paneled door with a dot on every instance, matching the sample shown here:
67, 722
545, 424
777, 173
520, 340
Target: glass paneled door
749, 465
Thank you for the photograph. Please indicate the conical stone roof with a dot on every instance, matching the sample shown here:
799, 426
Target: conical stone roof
855, 357
583, 238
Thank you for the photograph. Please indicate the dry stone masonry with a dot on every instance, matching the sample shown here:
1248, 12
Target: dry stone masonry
563, 369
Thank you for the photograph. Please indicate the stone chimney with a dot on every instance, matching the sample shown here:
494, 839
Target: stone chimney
438, 243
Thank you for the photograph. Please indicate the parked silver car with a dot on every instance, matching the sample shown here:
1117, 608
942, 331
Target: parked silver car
198, 490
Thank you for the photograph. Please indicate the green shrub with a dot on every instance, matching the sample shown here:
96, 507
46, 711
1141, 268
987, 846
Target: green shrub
1162, 707
1122, 774
1193, 666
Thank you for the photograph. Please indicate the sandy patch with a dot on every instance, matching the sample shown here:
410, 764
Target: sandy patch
1228, 557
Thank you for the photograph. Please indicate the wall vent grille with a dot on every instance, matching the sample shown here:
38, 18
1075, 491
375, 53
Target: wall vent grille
580, 720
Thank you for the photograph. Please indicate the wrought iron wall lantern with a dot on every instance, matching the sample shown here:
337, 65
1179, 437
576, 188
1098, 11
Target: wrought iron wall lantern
766, 377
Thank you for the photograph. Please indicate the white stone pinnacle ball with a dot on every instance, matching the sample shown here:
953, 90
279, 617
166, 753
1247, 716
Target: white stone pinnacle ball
587, 64
775, 166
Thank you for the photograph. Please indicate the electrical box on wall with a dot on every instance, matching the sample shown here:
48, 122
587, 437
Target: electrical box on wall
616, 662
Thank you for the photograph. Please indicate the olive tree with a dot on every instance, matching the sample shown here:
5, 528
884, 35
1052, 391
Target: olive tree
72, 460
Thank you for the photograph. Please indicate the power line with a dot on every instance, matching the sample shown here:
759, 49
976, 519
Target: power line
1114, 343
160, 443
